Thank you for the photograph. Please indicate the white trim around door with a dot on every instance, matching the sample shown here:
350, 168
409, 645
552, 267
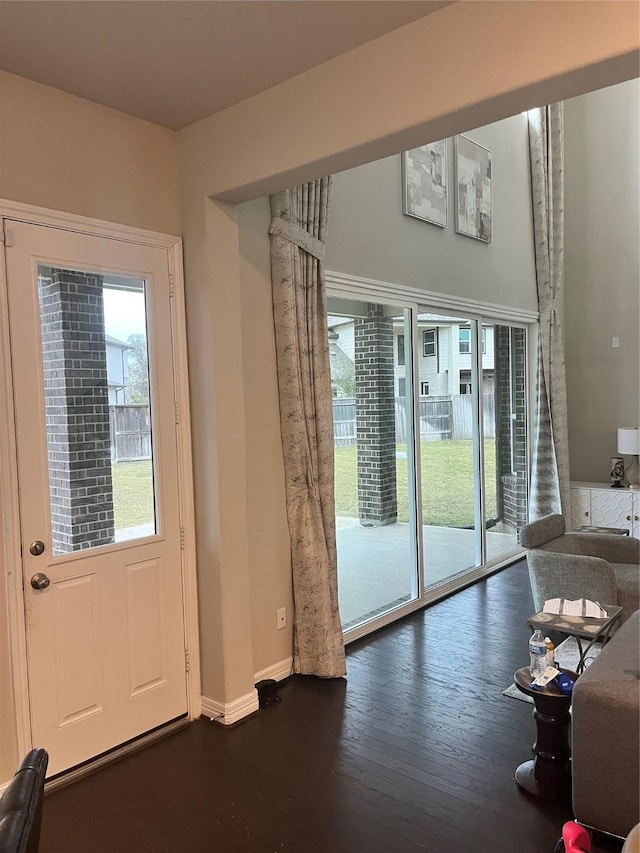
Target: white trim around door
10, 540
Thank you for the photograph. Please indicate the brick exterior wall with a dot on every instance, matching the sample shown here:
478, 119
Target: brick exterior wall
77, 410
511, 438
375, 419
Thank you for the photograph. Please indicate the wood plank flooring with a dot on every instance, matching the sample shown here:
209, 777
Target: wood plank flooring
414, 751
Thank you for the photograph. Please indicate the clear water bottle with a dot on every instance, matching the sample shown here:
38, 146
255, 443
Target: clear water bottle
537, 654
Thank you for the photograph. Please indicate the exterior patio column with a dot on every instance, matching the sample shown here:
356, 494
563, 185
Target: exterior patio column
76, 410
511, 438
375, 419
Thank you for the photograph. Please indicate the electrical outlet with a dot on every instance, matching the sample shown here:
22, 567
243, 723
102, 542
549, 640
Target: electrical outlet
281, 617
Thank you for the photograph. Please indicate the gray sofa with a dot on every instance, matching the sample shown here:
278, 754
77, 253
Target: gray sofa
606, 736
602, 567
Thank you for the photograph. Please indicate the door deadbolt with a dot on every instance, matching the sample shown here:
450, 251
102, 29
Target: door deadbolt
37, 548
40, 581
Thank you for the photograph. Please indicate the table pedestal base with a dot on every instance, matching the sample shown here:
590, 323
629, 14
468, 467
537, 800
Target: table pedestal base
556, 790
548, 775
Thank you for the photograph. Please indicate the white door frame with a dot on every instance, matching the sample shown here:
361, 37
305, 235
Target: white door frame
10, 540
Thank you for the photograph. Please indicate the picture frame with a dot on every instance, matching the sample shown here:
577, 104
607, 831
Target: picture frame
474, 205
424, 183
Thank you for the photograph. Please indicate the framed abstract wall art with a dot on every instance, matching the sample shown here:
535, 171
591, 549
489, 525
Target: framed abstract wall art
474, 215
424, 183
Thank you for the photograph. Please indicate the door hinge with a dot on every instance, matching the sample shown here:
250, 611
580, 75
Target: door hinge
187, 661
177, 413
171, 285
182, 538
6, 237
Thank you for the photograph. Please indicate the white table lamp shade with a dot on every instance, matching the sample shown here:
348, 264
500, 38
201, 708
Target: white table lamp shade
629, 440
629, 443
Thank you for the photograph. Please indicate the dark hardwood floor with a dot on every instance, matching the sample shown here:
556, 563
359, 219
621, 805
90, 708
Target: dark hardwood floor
415, 750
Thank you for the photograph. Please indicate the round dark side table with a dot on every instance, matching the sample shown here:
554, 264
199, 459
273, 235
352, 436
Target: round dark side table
548, 775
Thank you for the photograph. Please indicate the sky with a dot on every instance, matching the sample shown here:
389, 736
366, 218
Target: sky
124, 313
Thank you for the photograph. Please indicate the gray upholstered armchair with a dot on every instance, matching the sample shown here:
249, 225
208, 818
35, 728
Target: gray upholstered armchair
602, 567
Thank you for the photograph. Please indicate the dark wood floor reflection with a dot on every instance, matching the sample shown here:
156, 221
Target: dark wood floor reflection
414, 751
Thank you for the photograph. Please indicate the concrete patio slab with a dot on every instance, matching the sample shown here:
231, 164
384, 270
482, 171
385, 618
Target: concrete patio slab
375, 565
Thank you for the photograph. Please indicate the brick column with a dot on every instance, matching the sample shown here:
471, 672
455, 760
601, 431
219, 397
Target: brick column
375, 419
77, 410
511, 439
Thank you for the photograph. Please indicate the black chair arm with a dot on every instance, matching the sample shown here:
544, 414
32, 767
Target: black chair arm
21, 805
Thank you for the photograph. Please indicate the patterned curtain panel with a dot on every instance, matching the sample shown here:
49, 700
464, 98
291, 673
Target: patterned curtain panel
550, 490
298, 232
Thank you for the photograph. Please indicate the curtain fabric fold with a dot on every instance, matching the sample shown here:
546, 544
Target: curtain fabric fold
550, 486
298, 233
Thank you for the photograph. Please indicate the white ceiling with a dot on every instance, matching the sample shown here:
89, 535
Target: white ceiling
173, 62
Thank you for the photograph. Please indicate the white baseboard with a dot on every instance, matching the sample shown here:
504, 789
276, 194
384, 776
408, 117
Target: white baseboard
228, 713
277, 671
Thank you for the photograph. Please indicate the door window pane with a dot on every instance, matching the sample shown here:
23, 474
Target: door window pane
97, 408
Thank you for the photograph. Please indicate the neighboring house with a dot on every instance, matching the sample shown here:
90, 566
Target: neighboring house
444, 357
117, 370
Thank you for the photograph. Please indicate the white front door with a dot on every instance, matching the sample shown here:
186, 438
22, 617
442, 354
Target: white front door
90, 325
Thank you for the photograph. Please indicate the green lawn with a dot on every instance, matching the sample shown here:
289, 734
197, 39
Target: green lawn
447, 485
132, 493
447, 482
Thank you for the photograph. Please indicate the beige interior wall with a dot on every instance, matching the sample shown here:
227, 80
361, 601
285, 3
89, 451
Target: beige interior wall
464, 66
65, 153
219, 435
369, 236
269, 550
349, 111
602, 273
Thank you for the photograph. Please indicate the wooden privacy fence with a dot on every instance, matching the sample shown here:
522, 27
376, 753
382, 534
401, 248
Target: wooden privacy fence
463, 415
344, 421
446, 417
130, 428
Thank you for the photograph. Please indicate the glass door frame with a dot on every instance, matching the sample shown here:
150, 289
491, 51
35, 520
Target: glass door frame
485, 565
350, 287
413, 475
479, 493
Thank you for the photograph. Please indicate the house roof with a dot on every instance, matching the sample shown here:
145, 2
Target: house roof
116, 342
173, 62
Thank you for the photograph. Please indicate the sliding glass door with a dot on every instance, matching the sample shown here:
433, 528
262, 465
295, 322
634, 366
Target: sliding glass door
448, 440
473, 443
430, 438
370, 355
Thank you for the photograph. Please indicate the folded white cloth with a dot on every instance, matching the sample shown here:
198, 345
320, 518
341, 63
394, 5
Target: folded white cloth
577, 607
